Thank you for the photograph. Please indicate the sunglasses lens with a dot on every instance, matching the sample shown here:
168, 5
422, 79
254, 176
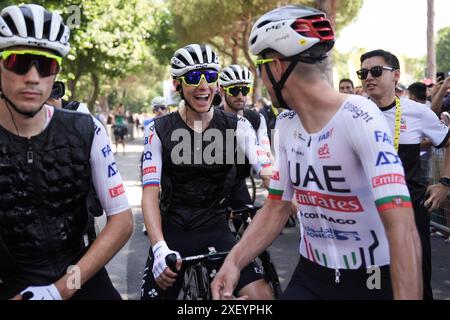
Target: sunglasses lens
245, 91
193, 77
234, 91
211, 76
21, 64
376, 71
362, 74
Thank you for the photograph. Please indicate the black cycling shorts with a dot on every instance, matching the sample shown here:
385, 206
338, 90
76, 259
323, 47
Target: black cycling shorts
189, 243
311, 281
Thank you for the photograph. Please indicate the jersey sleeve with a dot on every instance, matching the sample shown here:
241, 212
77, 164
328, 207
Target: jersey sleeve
434, 129
105, 174
152, 157
372, 141
280, 183
248, 147
261, 133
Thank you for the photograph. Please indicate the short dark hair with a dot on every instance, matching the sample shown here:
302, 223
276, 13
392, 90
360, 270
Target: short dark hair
390, 58
419, 90
347, 80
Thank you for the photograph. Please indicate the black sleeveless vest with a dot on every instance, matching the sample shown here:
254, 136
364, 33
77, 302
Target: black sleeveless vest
44, 187
192, 193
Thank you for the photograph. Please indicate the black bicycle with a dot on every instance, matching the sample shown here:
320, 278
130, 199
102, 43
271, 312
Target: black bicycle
239, 220
198, 272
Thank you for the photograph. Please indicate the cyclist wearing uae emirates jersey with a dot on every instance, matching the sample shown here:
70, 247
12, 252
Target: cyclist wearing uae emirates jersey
50, 161
191, 154
235, 83
409, 122
335, 154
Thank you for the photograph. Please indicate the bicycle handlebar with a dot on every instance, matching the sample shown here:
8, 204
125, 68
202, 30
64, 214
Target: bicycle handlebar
171, 259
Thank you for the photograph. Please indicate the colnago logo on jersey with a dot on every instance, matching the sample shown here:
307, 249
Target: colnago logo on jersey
324, 152
327, 201
276, 175
329, 233
385, 179
315, 215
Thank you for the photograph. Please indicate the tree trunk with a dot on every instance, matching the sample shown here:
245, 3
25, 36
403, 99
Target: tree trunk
330, 8
96, 83
431, 53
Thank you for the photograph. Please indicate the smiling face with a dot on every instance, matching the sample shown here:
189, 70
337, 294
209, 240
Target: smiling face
199, 97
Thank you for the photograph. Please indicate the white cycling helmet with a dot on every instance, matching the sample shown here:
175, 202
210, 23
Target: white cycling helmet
33, 26
193, 57
159, 101
292, 30
235, 74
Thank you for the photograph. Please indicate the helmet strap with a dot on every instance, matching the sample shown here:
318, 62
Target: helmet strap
30, 114
278, 86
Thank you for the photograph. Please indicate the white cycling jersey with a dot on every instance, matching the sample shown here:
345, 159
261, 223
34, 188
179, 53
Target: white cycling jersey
105, 174
341, 176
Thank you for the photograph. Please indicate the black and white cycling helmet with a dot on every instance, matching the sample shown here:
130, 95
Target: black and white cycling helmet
193, 57
235, 74
293, 30
33, 26
158, 101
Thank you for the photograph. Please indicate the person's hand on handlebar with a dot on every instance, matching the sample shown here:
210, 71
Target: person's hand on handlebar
164, 277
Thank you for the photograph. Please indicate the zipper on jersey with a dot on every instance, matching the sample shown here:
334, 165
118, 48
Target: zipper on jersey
338, 275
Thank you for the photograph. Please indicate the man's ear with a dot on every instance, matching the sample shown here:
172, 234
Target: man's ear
397, 76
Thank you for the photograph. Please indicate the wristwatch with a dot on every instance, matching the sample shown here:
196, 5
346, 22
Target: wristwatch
445, 181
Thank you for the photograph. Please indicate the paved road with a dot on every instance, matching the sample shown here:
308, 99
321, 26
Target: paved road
126, 268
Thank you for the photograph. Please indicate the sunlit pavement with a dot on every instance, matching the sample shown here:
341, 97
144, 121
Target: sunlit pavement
126, 268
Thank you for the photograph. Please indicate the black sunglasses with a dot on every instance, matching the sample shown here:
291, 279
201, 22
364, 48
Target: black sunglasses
376, 72
157, 108
234, 90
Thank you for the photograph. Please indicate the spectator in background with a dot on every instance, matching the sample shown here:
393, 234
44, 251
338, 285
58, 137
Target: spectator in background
441, 96
401, 91
418, 92
119, 127
130, 124
346, 86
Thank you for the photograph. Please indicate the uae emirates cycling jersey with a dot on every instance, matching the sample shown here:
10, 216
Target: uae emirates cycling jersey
105, 174
417, 122
341, 177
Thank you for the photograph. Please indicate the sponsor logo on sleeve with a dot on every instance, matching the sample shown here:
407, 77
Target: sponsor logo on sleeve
149, 170
106, 151
117, 191
383, 137
386, 158
393, 178
112, 170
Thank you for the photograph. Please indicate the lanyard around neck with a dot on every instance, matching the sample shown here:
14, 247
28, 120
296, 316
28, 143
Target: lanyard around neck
398, 117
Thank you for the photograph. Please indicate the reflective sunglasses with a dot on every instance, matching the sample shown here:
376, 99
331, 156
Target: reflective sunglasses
234, 90
376, 72
193, 78
20, 62
259, 63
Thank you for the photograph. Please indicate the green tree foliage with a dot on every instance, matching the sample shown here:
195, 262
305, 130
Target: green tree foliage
443, 50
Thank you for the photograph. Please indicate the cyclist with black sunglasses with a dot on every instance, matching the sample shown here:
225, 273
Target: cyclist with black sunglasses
409, 122
50, 160
333, 153
191, 154
235, 85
